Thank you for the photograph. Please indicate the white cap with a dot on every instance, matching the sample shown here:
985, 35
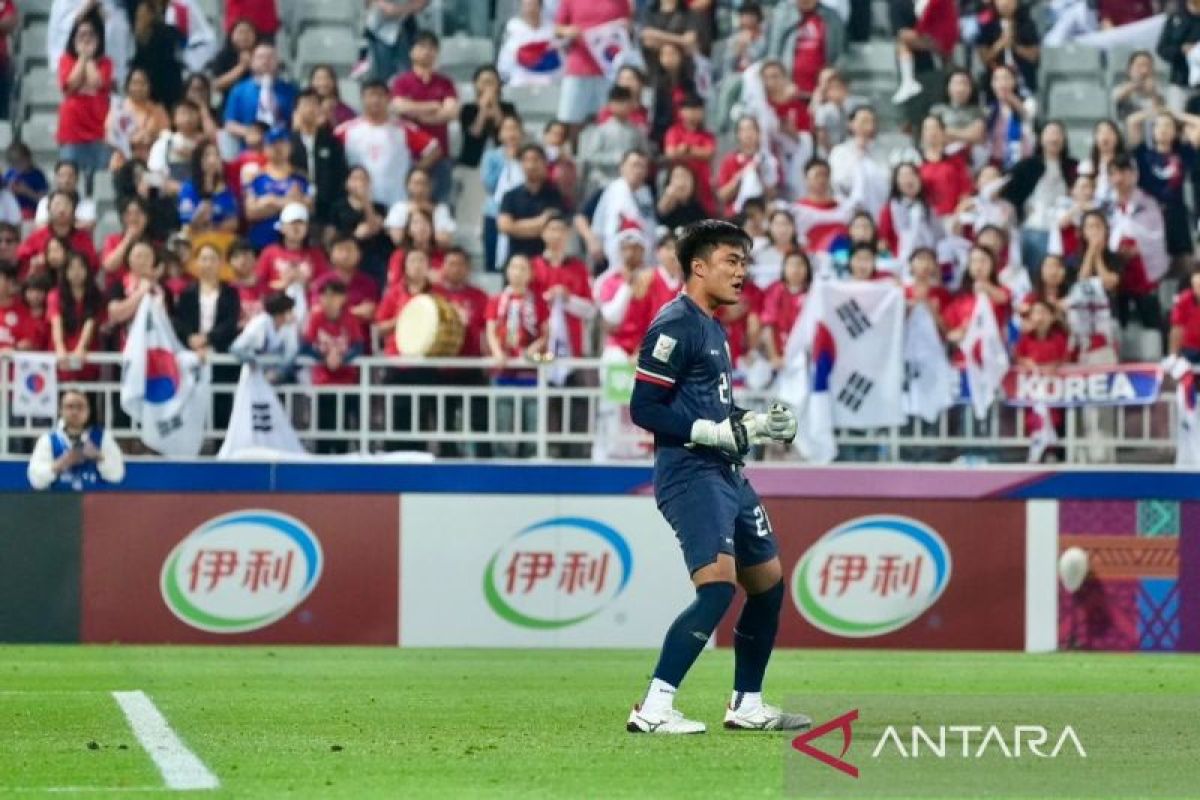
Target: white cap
293, 212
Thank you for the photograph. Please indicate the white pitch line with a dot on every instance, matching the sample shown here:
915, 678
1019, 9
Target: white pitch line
180, 768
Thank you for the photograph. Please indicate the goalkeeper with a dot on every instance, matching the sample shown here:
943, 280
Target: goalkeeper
684, 396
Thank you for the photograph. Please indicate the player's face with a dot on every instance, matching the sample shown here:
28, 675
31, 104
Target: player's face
723, 274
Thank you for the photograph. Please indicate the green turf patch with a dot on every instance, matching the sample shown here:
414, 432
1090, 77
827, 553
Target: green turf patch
357, 722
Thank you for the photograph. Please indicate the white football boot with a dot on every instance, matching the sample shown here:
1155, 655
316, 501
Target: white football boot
764, 718
670, 721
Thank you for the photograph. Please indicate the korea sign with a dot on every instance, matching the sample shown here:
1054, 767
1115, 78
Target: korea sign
537, 571
241, 571
871, 576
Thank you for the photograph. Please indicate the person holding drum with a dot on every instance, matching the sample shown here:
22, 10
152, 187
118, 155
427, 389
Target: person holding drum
517, 330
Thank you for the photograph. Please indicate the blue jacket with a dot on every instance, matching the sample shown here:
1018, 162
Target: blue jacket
242, 104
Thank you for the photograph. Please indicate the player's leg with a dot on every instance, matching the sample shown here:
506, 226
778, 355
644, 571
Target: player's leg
702, 517
761, 575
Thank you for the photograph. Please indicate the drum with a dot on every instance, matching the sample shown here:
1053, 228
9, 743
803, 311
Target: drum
429, 326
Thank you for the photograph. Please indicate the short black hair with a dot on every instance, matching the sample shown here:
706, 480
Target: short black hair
9, 271
308, 93
374, 83
335, 286
700, 239
692, 100
1122, 161
278, 303
922, 251
484, 69
861, 246
426, 37
343, 238
238, 247
753, 9
619, 94
816, 161
532, 147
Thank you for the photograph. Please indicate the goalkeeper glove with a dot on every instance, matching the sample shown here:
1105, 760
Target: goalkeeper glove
729, 435
778, 424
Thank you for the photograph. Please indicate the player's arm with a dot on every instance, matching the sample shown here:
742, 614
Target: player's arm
778, 424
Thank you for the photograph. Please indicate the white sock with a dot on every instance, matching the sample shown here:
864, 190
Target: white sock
746, 701
908, 73
660, 697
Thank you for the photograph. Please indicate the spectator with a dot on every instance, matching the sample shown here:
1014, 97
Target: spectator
1138, 231
385, 148
276, 187
10, 20
75, 309
171, 157
417, 235
820, 217
61, 224
33, 294
742, 323
857, 168
748, 45
470, 302
419, 190
318, 153
251, 291
1140, 92
628, 199
262, 14
1107, 143
806, 37
356, 214
1185, 321
114, 250
687, 143
23, 178
766, 267
909, 221
290, 265
144, 279
500, 171
560, 166
527, 208
1070, 220
334, 337
980, 283
85, 75
1179, 34
1011, 39
832, 107
782, 304
270, 336
208, 312
1166, 164
1009, 126
16, 326
565, 284
10, 209
963, 119
197, 90
157, 53
333, 111
517, 320
584, 87
480, 118
429, 100
864, 263
361, 290
672, 82
602, 143
678, 204
391, 26
262, 96
1044, 347
790, 108
1051, 284
673, 22
10, 240
1078, 18
622, 296
1036, 188
110, 16
75, 455
947, 178
924, 286
135, 122
632, 80
413, 281
206, 203
232, 64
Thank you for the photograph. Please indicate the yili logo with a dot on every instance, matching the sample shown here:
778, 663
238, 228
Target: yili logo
557, 573
871, 576
242, 571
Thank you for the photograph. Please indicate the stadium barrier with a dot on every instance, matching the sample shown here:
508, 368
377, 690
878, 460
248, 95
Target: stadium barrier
511, 555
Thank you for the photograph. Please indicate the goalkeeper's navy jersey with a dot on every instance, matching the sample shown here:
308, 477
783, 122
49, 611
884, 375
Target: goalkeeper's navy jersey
686, 352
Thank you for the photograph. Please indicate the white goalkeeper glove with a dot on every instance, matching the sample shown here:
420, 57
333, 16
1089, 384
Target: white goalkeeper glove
778, 425
729, 435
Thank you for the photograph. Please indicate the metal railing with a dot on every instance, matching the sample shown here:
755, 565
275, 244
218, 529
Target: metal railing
452, 407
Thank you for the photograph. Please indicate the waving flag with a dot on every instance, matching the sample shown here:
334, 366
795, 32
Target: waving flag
258, 421
530, 58
930, 382
610, 47
987, 358
1187, 410
164, 387
35, 385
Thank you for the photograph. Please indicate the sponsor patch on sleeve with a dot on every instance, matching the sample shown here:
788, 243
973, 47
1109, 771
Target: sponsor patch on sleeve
663, 348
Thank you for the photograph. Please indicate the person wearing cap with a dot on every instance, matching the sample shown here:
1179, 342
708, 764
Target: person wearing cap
291, 264
525, 209
623, 295
275, 187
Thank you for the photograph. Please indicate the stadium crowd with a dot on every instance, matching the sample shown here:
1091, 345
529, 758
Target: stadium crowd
245, 189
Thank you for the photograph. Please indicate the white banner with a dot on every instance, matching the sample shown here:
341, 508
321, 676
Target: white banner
537, 571
258, 420
164, 388
35, 385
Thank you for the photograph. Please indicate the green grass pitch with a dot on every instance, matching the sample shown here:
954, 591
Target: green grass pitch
391, 723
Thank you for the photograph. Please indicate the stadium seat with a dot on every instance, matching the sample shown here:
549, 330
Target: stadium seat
1070, 62
35, 9
314, 13
1080, 140
881, 20
466, 92
32, 47
870, 61
40, 91
468, 210
536, 104
349, 92
1077, 102
460, 56
336, 46
38, 132
6, 134
108, 224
